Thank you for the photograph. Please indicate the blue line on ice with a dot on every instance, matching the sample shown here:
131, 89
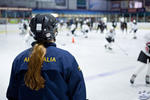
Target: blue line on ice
108, 73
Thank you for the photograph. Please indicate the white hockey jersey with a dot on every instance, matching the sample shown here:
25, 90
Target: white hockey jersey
134, 26
111, 34
73, 26
147, 40
85, 27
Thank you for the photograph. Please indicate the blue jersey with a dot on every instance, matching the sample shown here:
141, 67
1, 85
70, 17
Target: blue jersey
63, 77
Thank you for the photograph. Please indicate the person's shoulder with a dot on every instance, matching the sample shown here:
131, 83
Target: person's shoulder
67, 58
18, 60
22, 54
64, 52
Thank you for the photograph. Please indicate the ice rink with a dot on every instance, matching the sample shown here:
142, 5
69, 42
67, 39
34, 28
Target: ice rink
107, 73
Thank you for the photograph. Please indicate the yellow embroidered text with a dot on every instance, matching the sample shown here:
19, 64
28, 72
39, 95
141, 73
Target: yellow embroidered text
46, 59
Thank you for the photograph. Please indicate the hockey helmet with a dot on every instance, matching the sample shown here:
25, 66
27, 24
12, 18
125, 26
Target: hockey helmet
43, 27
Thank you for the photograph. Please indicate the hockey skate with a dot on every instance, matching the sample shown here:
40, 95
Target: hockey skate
86, 37
132, 79
105, 46
134, 37
109, 48
147, 81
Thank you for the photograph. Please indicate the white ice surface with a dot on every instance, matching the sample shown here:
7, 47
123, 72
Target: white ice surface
107, 73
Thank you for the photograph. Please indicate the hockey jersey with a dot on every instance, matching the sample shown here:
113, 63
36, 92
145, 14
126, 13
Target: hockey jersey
146, 46
85, 27
111, 34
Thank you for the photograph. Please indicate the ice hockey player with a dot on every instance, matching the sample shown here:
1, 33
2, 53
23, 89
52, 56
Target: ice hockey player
29, 38
73, 29
114, 24
143, 60
85, 29
110, 38
45, 72
23, 27
102, 26
123, 25
134, 29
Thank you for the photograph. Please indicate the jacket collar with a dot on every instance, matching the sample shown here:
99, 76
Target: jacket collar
45, 44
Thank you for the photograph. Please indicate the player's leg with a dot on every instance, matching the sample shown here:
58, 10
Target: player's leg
138, 70
147, 77
142, 60
134, 35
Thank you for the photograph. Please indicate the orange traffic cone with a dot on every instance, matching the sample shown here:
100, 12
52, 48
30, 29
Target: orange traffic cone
73, 41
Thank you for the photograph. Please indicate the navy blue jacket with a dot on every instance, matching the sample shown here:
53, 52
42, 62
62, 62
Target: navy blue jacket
63, 77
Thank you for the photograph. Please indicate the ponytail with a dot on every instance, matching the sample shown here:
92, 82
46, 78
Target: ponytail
33, 78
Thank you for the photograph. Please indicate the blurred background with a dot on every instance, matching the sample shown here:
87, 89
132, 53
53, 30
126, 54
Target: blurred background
12, 11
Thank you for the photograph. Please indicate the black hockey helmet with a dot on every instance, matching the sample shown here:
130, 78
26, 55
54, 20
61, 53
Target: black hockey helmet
43, 27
